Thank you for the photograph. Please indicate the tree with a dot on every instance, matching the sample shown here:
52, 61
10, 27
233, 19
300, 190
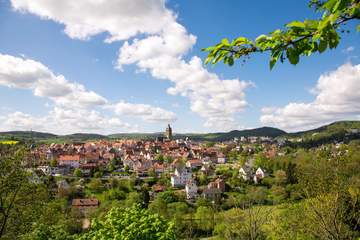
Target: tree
247, 223
77, 172
133, 198
205, 218
96, 185
20, 199
159, 206
280, 177
299, 38
130, 223
159, 158
168, 159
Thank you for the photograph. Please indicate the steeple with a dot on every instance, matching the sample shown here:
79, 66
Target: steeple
168, 132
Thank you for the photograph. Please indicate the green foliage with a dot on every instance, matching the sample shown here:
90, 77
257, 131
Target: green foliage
77, 172
205, 218
20, 199
133, 198
168, 159
45, 232
168, 196
299, 38
159, 158
130, 223
96, 185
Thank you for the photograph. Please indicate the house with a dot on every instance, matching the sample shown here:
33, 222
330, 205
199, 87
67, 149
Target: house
191, 189
180, 176
194, 163
218, 183
69, 160
221, 158
85, 205
212, 194
259, 174
246, 172
159, 168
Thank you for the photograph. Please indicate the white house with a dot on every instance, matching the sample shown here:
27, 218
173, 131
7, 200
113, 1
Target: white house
221, 158
245, 172
259, 174
191, 189
180, 177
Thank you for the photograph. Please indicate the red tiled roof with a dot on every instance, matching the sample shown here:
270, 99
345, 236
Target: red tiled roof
85, 202
69, 158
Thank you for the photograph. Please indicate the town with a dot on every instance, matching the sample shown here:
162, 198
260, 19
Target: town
181, 161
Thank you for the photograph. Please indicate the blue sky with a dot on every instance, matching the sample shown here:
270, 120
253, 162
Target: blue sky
35, 32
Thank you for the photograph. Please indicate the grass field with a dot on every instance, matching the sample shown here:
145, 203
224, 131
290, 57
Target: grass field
8, 142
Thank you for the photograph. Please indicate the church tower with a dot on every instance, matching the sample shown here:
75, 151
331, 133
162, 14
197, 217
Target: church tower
168, 132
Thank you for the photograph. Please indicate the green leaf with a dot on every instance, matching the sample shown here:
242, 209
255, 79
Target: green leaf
261, 38
329, 5
292, 55
358, 28
225, 42
231, 61
323, 23
311, 24
241, 40
274, 58
296, 24
322, 46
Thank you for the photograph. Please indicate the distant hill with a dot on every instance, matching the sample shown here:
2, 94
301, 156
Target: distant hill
135, 135
26, 135
335, 131
224, 136
48, 137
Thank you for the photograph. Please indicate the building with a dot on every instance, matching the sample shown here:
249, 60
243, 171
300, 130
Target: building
212, 194
259, 174
180, 176
221, 158
168, 132
247, 173
218, 183
191, 189
85, 205
194, 163
69, 160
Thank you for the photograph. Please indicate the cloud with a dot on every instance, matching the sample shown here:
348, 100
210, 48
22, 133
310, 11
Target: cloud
65, 121
122, 19
145, 111
156, 43
23, 73
337, 98
74, 107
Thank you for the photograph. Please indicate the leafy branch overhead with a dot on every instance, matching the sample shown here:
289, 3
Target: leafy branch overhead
297, 39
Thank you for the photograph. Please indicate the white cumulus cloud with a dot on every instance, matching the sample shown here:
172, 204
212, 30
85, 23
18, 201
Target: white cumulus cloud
75, 107
65, 121
159, 45
145, 111
337, 98
122, 19
16, 72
